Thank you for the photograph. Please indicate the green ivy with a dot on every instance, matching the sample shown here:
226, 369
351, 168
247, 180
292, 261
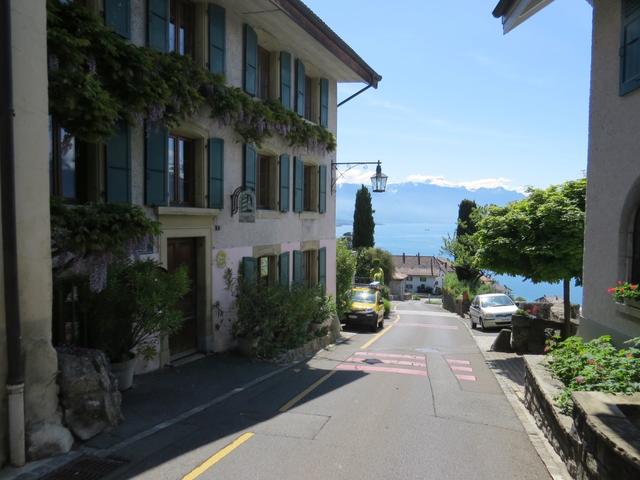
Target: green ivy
97, 79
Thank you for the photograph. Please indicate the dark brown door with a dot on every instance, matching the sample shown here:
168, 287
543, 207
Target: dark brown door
182, 252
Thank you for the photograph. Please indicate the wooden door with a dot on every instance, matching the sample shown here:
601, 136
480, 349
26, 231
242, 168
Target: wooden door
182, 252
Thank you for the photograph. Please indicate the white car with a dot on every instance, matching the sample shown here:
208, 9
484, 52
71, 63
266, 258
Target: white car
491, 310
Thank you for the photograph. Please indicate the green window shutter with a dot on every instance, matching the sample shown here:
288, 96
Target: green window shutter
216, 173
158, 24
322, 190
630, 47
285, 80
322, 268
298, 268
156, 167
217, 39
118, 167
250, 61
117, 15
300, 86
249, 168
298, 184
285, 171
249, 270
283, 268
324, 102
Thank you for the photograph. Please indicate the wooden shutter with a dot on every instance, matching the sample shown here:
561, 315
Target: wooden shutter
285, 80
217, 39
322, 268
249, 270
300, 88
158, 24
298, 184
285, 173
250, 61
118, 167
298, 268
322, 190
156, 167
216, 173
283, 268
630, 47
324, 102
249, 168
117, 15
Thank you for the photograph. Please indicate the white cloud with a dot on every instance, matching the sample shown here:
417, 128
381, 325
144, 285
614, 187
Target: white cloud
355, 175
388, 105
441, 181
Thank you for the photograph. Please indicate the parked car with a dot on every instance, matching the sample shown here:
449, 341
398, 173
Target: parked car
366, 308
491, 310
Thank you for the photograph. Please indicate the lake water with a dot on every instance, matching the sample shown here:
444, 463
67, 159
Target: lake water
426, 239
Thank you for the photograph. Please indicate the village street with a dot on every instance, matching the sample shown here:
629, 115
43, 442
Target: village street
414, 401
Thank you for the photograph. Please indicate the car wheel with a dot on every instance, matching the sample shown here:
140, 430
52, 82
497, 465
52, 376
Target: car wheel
382, 322
482, 324
473, 324
374, 325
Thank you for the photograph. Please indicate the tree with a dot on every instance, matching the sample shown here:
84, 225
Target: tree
462, 247
345, 271
369, 259
540, 237
363, 224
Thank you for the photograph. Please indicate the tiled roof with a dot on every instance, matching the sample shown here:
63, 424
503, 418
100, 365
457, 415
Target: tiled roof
424, 266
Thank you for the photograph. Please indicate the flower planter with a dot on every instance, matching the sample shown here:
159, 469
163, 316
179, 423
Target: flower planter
123, 371
632, 302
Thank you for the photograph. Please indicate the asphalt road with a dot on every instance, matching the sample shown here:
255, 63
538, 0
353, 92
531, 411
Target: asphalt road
414, 401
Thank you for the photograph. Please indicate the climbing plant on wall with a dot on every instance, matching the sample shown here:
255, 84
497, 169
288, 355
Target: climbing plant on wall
97, 79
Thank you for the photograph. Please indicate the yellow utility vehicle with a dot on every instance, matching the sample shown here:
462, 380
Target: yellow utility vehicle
366, 307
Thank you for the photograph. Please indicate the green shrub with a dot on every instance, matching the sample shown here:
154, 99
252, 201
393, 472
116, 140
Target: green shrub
345, 270
593, 366
387, 307
276, 319
457, 287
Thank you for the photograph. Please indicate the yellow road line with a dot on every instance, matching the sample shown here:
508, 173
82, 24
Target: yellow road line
377, 337
211, 461
305, 392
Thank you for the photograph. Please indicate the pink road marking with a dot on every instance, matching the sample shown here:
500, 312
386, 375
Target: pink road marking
461, 369
390, 355
368, 368
389, 362
468, 378
460, 362
428, 325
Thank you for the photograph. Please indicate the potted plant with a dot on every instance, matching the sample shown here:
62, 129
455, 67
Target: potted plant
140, 301
627, 293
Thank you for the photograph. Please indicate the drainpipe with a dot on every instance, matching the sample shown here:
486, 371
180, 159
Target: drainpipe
15, 363
355, 95
418, 258
403, 257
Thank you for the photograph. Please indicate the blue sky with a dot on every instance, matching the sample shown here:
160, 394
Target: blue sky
459, 102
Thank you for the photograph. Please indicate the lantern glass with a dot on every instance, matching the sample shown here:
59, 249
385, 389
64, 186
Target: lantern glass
379, 180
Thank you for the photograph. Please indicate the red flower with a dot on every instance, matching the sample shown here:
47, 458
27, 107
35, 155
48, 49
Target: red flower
611, 290
579, 379
591, 361
633, 287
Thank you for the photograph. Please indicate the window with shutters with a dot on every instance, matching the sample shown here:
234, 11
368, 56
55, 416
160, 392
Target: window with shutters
264, 73
117, 14
310, 267
67, 176
181, 171
308, 99
267, 270
630, 47
182, 27
310, 188
266, 184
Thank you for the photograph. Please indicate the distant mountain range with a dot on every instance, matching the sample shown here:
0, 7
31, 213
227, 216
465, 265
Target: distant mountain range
418, 202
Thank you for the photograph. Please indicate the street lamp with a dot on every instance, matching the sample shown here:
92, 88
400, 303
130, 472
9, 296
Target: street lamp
378, 181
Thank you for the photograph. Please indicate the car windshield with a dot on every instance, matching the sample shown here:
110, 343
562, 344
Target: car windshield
497, 301
363, 296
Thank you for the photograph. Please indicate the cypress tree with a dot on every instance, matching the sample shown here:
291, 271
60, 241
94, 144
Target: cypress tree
363, 224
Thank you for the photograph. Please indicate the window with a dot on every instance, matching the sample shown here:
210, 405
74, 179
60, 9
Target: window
308, 103
423, 279
64, 167
181, 171
266, 185
630, 47
264, 73
267, 270
310, 267
182, 27
310, 188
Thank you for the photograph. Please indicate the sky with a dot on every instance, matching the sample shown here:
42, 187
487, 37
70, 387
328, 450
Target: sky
459, 102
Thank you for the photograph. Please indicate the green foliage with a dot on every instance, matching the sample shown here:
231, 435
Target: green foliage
367, 258
539, 237
466, 223
97, 79
98, 228
457, 287
141, 299
276, 319
345, 271
594, 366
463, 246
387, 307
624, 290
363, 224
